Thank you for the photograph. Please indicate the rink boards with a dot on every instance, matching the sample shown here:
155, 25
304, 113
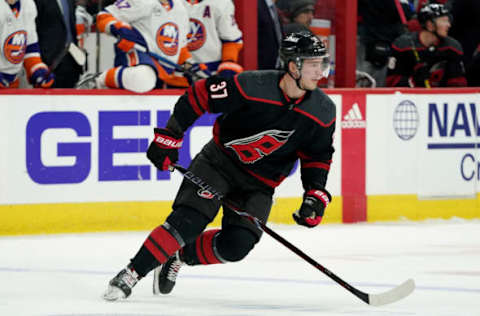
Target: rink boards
74, 161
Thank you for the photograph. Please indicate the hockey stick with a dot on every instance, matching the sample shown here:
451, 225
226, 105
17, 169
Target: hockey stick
390, 296
58, 59
169, 64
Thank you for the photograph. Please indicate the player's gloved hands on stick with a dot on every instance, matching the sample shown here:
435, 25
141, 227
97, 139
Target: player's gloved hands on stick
420, 75
3, 82
312, 209
42, 78
194, 72
163, 151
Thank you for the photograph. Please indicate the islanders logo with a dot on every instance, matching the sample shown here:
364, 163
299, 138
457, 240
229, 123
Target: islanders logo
167, 38
197, 36
15, 46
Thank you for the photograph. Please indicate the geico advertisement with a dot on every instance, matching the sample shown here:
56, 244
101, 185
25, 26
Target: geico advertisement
64, 148
429, 145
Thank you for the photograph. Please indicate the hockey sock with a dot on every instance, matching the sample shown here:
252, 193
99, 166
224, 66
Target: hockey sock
219, 246
162, 243
203, 250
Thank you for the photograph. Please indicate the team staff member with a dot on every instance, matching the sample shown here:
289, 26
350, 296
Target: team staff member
56, 28
269, 120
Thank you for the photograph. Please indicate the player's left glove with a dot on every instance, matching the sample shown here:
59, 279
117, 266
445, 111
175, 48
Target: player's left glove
42, 78
228, 69
311, 211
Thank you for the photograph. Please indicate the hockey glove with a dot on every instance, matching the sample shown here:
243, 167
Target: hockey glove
42, 78
228, 69
3, 82
127, 37
421, 75
194, 72
312, 209
163, 150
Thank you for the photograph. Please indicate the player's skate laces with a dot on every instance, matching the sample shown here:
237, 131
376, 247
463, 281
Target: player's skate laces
121, 285
164, 276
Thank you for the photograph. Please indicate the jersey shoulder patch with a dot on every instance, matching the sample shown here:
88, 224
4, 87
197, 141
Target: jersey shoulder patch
319, 107
405, 41
260, 85
453, 44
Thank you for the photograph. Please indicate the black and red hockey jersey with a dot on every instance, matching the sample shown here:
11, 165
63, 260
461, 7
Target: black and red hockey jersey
261, 129
444, 62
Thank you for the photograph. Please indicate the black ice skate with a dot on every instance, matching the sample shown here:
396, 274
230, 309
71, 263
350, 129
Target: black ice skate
165, 275
121, 285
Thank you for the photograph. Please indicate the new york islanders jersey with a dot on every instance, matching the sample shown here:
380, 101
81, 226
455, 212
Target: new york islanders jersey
212, 24
261, 129
163, 27
18, 37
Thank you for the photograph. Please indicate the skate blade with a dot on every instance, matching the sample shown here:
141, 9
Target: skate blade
156, 273
113, 294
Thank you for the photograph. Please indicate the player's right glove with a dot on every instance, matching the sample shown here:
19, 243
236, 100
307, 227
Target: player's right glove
127, 36
311, 211
42, 78
3, 82
163, 151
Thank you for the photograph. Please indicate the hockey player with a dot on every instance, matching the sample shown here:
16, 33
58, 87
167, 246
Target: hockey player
214, 38
430, 57
19, 46
143, 27
269, 120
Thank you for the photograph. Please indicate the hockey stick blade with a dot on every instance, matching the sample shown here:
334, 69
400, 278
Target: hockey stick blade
390, 296
393, 295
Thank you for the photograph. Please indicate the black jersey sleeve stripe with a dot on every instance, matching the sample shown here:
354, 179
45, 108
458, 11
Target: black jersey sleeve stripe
313, 164
201, 94
193, 100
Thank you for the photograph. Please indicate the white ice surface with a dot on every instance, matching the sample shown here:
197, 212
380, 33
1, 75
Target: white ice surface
65, 275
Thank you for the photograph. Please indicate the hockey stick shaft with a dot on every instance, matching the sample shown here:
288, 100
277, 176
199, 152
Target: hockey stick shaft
165, 62
201, 183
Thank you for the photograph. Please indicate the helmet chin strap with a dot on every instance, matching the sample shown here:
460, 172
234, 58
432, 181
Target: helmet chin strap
297, 80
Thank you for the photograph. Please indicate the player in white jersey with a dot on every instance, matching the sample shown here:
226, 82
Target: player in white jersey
145, 28
19, 46
214, 38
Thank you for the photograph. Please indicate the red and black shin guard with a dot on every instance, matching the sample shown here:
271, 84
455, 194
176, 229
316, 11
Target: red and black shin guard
163, 242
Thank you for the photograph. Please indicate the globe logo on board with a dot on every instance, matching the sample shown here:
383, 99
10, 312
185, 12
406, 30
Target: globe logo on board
405, 120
